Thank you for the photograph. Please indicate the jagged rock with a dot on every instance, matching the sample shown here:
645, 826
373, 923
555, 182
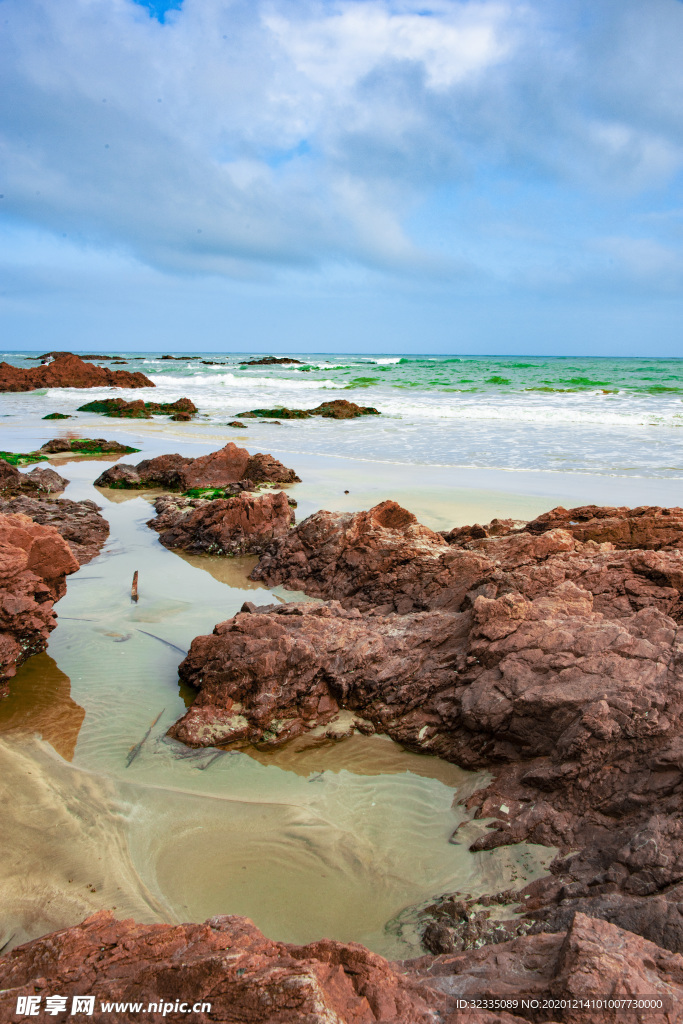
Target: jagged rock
41, 479
34, 560
79, 522
65, 370
241, 525
218, 469
649, 526
553, 662
226, 962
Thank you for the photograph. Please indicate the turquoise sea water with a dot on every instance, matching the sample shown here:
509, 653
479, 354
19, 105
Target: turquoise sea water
619, 417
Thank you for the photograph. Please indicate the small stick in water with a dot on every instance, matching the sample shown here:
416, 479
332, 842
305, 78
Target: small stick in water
135, 750
134, 588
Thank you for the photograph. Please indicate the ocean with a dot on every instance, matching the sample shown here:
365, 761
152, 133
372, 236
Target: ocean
612, 417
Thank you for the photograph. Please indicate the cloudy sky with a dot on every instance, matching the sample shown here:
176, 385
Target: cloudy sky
323, 175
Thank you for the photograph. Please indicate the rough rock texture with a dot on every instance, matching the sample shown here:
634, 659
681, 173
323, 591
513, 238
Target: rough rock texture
250, 979
79, 522
42, 479
34, 559
218, 469
66, 370
649, 526
340, 409
226, 962
242, 525
183, 409
554, 662
86, 445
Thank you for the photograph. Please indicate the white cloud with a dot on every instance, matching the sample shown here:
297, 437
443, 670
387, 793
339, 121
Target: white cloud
242, 136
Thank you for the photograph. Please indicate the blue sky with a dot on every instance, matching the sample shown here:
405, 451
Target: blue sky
364, 175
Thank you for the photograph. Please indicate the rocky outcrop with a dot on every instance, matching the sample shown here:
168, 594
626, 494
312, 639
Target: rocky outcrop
648, 527
78, 522
554, 662
216, 470
65, 370
41, 480
181, 410
86, 446
242, 525
34, 560
339, 409
272, 361
227, 963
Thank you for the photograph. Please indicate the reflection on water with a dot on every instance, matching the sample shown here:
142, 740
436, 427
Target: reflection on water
40, 702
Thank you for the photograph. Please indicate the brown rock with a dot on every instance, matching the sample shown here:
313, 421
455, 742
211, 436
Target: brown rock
34, 559
554, 663
86, 445
216, 470
272, 361
647, 527
182, 409
79, 522
340, 409
226, 962
242, 525
41, 479
65, 370
381, 558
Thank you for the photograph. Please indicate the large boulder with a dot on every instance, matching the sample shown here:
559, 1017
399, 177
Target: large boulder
242, 525
40, 480
218, 469
648, 527
78, 522
65, 370
34, 561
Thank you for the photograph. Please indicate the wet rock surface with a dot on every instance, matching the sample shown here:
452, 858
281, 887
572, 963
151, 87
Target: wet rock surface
180, 473
34, 561
182, 409
241, 525
65, 370
272, 361
78, 522
553, 661
340, 409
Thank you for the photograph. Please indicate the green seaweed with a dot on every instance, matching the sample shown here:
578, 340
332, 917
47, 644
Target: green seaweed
22, 458
57, 416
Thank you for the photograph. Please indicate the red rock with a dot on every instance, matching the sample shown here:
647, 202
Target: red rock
68, 371
245, 524
552, 662
649, 526
226, 962
78, 522
216, 470
34, 559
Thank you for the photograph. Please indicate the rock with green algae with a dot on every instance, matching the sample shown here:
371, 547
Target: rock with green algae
339, 409
183, 409
86, 446
57, 416
22, 458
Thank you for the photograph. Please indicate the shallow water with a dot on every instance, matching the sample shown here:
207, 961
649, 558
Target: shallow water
337, 840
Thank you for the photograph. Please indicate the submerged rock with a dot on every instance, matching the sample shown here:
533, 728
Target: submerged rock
272, 361
218, 469
34, 561
241, 525
65, 370
78, 522
339, 409
182, 409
